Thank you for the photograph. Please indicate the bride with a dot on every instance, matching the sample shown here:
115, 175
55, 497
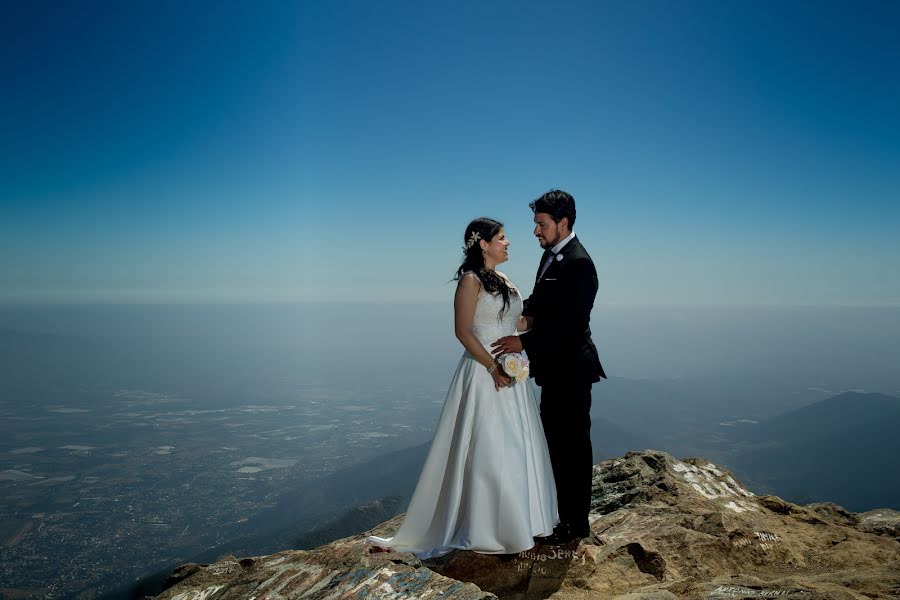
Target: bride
487, 483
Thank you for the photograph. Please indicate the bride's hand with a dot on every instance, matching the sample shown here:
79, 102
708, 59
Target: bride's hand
501, 379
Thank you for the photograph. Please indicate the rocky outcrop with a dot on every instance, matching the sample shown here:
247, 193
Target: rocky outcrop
882, 521
661, 529
339, 570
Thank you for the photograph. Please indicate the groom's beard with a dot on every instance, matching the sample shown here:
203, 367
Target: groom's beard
547, 244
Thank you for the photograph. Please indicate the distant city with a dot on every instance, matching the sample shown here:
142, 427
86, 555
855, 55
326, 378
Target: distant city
96, 493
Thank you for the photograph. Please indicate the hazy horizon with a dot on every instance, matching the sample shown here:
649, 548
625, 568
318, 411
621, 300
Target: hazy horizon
854, 345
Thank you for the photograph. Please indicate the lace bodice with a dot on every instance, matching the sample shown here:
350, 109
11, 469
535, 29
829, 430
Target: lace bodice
488, 325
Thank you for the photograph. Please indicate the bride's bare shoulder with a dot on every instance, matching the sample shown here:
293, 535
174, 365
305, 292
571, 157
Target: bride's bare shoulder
469, 280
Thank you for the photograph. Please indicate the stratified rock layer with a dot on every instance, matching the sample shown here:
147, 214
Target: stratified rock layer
661, 528
341, 569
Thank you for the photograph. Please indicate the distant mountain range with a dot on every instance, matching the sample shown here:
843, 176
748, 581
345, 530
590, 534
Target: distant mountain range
609, 439
842, 449
684, 417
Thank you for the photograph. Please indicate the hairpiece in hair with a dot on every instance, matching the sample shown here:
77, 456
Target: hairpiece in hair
471, 241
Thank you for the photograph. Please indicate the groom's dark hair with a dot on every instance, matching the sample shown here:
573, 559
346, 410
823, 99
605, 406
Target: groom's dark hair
557, 204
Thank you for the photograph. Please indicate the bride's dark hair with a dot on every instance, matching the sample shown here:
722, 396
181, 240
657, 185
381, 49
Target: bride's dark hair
485, 229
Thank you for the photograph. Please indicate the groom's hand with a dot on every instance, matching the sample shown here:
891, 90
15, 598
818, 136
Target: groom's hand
506, 345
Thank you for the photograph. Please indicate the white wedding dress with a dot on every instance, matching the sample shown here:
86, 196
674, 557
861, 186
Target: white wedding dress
487, 483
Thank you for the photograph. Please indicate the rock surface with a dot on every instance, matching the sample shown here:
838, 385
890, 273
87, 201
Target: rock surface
341, 569
661, 528
881, 521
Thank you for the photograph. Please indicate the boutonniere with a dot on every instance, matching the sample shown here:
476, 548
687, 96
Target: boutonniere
559, 257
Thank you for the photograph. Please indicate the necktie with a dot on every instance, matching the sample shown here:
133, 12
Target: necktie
547, 261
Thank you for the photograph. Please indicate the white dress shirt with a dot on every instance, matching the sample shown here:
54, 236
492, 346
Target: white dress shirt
554, 251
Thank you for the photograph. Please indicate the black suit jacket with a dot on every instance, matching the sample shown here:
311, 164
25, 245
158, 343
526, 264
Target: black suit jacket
559, 344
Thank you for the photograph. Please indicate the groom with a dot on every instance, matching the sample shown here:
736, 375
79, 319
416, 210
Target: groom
564, 361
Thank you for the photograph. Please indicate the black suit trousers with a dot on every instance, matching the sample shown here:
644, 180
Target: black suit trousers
566, 417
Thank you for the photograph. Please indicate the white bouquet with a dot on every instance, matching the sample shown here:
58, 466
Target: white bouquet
515, 365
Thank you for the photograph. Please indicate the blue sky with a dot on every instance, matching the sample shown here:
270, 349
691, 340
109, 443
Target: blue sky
719, 152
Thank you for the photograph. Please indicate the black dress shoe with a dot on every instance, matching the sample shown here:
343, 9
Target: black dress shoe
562, 534
581, 533
550, 540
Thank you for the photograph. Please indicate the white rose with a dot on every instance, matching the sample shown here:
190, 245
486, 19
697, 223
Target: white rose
512, 364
